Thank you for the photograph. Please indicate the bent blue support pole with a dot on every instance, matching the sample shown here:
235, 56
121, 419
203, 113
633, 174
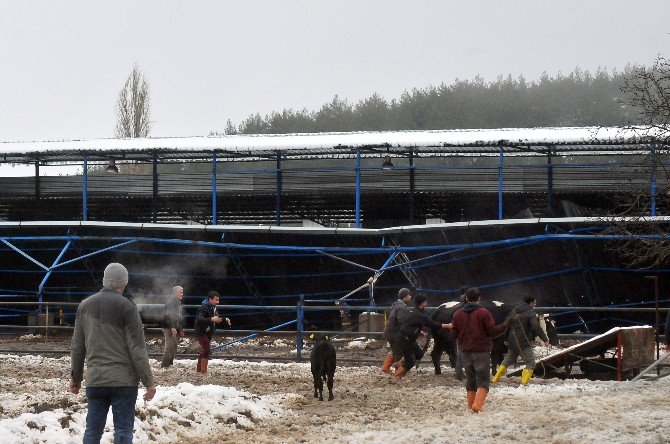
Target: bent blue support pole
26, 255
84, 187
386, 264
95, 252
46, 277
358, 188
253, 335
214, 189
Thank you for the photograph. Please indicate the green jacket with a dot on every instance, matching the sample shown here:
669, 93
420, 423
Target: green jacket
108, 334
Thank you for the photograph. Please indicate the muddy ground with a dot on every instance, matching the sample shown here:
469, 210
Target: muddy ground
368, 407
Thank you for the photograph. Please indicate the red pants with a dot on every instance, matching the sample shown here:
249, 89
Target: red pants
204, 342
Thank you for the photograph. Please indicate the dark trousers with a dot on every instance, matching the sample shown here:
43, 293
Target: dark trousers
410, 350
477, 365
122, 400
205, 342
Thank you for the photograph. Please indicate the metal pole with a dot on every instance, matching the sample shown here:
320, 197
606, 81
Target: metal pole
84, 212
653, 179
279, 191
550, 178
299, 327
214, 189
500, 185
154, 197
619, 358
657, 315
46, 324
37, 180
358, 188
411, 186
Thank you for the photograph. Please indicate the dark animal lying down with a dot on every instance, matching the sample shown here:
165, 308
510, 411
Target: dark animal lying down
323, 361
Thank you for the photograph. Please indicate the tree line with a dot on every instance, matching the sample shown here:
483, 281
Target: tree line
577, 99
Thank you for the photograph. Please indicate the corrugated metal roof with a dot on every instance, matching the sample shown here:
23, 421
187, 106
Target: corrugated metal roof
330, 144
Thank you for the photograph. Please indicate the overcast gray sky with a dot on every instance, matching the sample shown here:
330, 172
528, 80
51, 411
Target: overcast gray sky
62, 63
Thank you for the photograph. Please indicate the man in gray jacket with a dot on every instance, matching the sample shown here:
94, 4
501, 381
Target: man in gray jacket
399, 313
172, 325
108, 335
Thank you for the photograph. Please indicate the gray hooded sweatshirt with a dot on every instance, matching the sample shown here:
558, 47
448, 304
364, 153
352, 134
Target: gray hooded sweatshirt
108, 334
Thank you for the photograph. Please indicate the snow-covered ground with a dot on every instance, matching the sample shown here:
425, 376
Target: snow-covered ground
255, 402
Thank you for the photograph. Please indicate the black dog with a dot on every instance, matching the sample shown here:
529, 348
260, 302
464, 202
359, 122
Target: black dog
323, 360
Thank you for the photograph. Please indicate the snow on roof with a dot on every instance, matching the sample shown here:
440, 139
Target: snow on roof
331, 143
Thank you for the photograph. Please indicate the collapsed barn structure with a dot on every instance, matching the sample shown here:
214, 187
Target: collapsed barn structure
271, 220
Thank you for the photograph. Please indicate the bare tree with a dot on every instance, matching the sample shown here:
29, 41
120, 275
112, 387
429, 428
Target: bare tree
132, 108
648, 91
647, 243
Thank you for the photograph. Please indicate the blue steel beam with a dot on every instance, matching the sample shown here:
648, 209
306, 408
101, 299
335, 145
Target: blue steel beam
84, 191
214, 189
26, 255
386, 264
278, 191
322, 250
358, 188
95, 252
226, 344
500, 185
46, 277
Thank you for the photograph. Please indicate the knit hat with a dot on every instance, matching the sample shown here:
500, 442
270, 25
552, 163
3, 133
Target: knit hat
116, 276
403, 292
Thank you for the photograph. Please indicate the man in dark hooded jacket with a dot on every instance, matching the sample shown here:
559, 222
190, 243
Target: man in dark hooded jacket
520, 339
409, 332
473, 327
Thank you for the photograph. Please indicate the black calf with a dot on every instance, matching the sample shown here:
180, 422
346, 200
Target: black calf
323, 361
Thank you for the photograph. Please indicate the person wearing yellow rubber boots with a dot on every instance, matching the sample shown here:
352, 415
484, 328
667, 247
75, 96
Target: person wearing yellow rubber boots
520, 339
399, 313
473, 327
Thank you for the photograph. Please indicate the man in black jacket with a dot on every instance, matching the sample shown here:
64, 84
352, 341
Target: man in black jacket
520, 339
205, 324
172, 325
409, 332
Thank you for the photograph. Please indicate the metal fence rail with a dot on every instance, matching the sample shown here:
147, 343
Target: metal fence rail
300, 310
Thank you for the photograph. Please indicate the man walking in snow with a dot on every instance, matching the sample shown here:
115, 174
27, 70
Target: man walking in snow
521, 339
398, 314
473, 327
204, 326
108, 335
172, 325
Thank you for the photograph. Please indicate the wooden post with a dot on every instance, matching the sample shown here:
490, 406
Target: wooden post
619, 360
